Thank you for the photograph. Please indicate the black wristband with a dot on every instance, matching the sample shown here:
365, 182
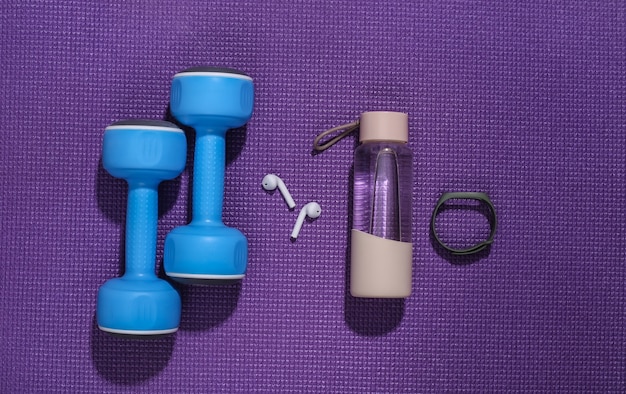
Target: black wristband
482, 197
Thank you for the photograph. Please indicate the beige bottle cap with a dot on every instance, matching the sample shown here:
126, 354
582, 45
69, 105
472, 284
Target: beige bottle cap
384, 126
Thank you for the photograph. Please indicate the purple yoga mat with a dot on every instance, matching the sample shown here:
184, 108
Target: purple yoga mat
526, 102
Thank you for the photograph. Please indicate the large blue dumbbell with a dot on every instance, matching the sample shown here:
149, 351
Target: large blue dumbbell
212, 101
144, 153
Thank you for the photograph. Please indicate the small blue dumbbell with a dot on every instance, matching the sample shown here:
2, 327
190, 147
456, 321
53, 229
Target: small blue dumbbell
212, 101
144, 153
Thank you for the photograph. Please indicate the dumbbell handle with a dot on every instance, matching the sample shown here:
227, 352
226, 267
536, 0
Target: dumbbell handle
141, 229
208, 177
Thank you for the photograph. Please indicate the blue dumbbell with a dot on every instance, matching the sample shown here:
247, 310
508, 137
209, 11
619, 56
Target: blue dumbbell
212, 101
144, 153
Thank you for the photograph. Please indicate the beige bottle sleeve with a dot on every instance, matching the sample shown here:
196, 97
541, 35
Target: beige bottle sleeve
380, 268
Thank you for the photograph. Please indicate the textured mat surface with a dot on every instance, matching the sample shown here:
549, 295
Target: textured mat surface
525, 102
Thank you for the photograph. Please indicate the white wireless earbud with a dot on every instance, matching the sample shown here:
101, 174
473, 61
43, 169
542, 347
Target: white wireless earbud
312, 210
271, 182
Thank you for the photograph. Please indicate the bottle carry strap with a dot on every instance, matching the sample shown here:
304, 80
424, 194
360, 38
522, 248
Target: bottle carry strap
347, 129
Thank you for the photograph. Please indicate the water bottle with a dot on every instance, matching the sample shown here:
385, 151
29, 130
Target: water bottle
381, 238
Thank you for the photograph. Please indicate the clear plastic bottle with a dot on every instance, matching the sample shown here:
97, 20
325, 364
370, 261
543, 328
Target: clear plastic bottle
381, 262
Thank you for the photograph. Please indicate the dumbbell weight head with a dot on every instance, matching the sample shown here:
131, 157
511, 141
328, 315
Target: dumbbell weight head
215, 97
127, 306
144, 153
150, 150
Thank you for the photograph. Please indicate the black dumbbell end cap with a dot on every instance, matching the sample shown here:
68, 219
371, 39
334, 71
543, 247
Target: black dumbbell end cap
210, 69
145, 122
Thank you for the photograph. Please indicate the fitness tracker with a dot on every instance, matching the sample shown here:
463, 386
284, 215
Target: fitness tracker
481, 197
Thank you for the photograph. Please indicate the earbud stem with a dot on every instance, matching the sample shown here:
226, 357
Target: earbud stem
299, 222
288, 199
